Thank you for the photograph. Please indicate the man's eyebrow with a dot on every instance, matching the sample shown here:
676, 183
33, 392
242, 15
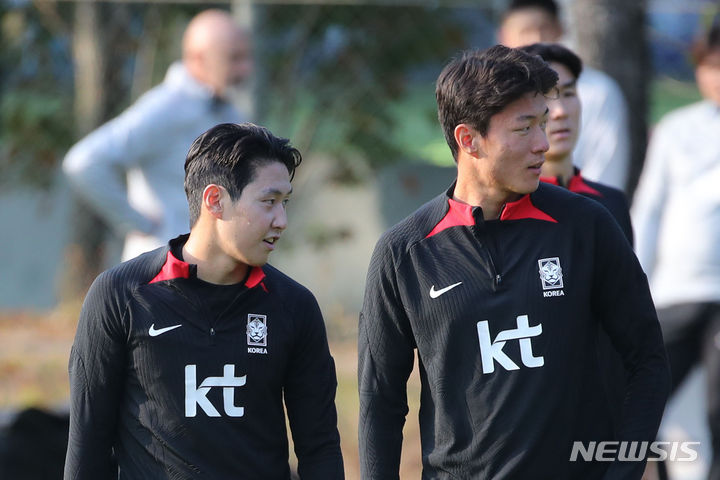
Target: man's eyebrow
570, 83
276, 191
533, 117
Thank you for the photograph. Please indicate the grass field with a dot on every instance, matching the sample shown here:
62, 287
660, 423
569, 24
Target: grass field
34, 351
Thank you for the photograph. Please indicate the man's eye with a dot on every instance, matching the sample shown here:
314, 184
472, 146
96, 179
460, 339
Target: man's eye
285, 201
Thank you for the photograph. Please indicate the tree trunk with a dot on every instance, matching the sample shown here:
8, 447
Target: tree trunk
610, 36
88, 232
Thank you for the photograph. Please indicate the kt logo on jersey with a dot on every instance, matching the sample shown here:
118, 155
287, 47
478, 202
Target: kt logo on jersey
551, 277
257, 333
491, 351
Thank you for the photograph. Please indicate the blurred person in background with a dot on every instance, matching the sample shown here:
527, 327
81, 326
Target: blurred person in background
563, 130
602, 151
187, 358
676, 214
129, 170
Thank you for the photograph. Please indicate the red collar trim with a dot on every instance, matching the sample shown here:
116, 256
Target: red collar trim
550, 180
577, 184
459, 214
522, 209
173, 268
257, 275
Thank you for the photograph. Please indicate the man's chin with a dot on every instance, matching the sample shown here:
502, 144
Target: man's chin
529, 188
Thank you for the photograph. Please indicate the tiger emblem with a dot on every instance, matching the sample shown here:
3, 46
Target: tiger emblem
550, 273
257, 330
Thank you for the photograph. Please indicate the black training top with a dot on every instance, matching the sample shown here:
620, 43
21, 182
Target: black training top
609, 197
504, 316
180, 386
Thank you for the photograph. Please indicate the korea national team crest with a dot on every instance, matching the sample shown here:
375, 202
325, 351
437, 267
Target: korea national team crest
257, 334
551, 276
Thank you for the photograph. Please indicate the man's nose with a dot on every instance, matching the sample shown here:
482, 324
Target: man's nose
280, 218
541, 143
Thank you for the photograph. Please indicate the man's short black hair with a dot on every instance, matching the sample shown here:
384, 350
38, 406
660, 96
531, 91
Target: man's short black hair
478, 84
550, 6
554, 52
228, 155
708, 43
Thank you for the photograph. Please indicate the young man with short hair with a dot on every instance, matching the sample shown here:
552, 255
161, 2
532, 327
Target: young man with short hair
563, 130
603, 148
186, 357
501, 284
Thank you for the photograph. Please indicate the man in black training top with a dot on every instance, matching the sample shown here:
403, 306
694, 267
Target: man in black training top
500, 284
185, 357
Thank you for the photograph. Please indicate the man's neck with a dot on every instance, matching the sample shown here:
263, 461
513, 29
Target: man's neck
562, 169
213, 265
475, 189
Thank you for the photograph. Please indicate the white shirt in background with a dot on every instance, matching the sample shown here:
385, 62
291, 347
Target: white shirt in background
676, 209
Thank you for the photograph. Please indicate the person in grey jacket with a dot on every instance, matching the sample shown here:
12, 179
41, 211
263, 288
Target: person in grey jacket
130, 170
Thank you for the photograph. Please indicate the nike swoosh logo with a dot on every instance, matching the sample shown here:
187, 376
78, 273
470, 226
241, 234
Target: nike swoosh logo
160, 331
436, 293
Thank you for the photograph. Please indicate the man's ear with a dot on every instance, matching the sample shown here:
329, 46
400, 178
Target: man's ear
468, 140
212, 199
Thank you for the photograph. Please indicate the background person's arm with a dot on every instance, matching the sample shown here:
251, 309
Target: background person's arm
649, 201
97, 167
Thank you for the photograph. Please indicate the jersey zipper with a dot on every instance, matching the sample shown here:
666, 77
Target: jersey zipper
486, 243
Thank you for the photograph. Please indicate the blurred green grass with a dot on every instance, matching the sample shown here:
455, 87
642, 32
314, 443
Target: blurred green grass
667, 94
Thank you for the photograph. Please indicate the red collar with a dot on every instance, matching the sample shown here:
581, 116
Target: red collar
174, 268
576, 184
460, 214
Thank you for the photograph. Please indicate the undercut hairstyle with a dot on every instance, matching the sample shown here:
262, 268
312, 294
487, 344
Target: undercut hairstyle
480, 83
229, 155
554, 52
707, 44
549, 6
